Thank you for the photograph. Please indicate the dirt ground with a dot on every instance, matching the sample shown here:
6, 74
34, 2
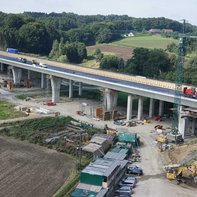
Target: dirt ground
123, 52
31, 170
153, 183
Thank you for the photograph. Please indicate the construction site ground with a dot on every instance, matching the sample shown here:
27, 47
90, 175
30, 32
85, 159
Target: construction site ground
153, 183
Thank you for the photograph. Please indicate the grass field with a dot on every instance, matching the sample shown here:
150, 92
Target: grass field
151, 42
7, 111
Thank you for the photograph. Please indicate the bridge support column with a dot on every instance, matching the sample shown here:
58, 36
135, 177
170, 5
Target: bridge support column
17, 74
183, 122
140, 108
2, 67
80, 88
151, 107
161, 107
28, 74
110, 99
129, 107
70, 89
55, 84
43, 78
194, 126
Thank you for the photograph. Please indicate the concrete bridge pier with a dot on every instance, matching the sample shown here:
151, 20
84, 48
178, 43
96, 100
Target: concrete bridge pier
70, 89
194, 126
80, 88
55, 85
17, 74
151, 107
28, 74
110, 99
161, 107
140, 108
129, 107
43, 79
1, 67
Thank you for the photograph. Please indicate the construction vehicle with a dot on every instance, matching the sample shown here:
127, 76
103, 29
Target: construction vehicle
190, 92
181, 173
161, 141
175, 138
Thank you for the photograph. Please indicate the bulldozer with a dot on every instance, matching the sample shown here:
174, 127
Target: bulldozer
181, 173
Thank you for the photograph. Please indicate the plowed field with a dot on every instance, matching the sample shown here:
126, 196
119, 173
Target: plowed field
123, 52
31, 170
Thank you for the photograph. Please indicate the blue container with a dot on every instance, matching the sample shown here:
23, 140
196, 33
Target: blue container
11, 50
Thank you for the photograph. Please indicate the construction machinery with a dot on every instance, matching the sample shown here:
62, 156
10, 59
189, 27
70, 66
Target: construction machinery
181, 173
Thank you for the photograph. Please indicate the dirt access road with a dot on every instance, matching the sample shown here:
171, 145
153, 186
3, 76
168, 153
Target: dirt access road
154, 183
29, 170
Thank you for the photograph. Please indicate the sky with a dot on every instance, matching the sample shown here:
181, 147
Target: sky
172, 9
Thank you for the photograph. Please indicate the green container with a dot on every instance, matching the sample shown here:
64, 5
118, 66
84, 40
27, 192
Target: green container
92, 179
129, 138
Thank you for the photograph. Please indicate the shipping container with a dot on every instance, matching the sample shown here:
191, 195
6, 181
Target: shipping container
11, 50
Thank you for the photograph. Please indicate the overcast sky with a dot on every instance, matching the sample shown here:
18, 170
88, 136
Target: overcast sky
173, 9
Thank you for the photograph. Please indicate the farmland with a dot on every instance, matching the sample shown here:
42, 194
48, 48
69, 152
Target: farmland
123, 52
123, 48
150, 42
31, 170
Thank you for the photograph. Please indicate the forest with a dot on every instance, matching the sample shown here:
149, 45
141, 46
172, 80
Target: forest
65, 36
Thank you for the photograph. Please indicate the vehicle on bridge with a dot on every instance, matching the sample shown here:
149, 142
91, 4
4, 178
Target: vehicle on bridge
35, 63
190, 92
11, 50
23, 60
43, 65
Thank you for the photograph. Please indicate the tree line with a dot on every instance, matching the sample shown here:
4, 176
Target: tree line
34, 32
64, 37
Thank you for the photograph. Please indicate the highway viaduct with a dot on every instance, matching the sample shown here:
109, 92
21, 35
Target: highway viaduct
111, 82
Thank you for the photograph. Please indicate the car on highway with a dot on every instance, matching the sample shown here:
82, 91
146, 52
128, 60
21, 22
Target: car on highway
43, 65
23, 60
133, 169
35, 63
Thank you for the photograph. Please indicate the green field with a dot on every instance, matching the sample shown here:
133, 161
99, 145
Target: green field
7, 111
151, 42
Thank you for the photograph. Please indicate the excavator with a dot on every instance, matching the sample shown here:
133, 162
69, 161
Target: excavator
181, 173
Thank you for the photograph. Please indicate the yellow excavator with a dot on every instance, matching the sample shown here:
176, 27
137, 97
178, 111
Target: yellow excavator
181, 173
